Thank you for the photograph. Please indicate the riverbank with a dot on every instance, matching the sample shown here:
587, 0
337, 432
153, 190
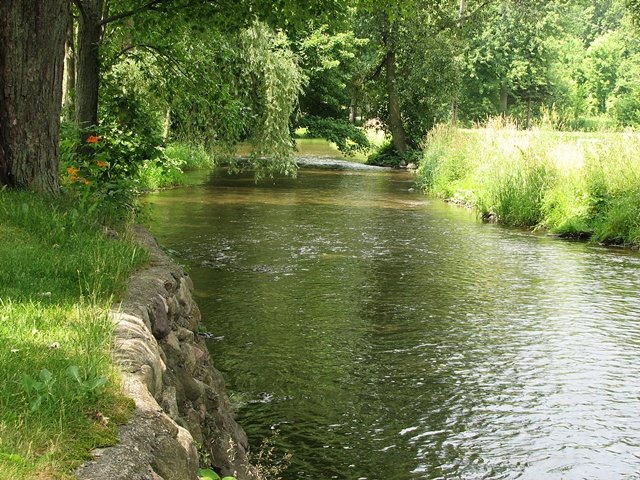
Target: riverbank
68, 387
182, 417
60, 393
570, 184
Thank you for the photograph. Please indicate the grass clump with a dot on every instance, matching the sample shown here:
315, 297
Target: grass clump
577, 185
60, 393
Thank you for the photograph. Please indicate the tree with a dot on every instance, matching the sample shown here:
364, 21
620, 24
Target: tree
603, 59
32, 35
331, 58
414, 80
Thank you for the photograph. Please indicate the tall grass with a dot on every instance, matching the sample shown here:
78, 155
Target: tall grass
568, 183
60, 394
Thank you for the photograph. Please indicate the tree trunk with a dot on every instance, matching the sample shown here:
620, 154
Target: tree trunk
166, 124
454, 102
88, 63
528, 124
398, 133
504, 99
353, 110
68, 92
32, 35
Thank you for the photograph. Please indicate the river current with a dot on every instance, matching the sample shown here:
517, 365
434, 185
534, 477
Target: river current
373, 333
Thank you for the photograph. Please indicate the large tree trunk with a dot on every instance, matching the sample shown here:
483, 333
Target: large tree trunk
398, 133
32, 35
88, 63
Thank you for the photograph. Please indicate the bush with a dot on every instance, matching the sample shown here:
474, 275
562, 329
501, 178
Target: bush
104, 173
386, 155
348, 138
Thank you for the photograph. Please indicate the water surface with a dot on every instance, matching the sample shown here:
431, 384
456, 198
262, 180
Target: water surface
383, 335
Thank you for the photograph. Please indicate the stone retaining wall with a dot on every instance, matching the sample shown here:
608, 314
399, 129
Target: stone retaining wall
181, 408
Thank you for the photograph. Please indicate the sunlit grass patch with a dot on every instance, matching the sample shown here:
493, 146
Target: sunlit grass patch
60, 394
572, 184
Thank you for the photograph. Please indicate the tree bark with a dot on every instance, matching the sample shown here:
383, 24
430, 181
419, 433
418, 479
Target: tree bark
68, 92
32, 35
398, 133
504, 98
88, 63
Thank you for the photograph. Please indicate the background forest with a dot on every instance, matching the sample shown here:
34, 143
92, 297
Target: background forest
171, 74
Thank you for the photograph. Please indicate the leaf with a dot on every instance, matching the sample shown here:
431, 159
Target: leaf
46, 376
12, 457
74, 372
208, 474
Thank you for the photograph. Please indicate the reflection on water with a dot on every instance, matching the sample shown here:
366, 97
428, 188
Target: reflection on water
387, 336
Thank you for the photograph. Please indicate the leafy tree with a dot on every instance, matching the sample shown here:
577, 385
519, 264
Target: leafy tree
416, 77
331, 59
511, 58
602, 61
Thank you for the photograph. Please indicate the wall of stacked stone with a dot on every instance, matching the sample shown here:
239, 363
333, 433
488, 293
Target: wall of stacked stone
181, 409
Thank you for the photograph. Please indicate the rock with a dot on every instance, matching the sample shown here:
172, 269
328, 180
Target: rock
193, 389
185, 335
412, 166
158, 313
168, 373
176, 457
169, 403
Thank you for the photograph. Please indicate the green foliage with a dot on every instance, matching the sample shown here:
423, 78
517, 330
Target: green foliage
348, 138
169, 170
104, 174
208, 474
444, 163
516, 196
267, 57
61, 395
333, 64
386, 155
603, 58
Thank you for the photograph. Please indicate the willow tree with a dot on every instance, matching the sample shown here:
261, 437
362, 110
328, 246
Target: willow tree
32, 36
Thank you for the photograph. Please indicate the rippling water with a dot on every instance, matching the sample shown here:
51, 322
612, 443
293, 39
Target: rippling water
382, 335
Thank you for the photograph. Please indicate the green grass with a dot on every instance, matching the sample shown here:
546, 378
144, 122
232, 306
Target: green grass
570, 183
58, 277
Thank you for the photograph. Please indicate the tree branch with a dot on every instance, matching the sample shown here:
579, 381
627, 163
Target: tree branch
174, 63
141, 8
463, 18
376, 72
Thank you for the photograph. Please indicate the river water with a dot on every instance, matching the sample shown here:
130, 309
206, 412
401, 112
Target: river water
374, 333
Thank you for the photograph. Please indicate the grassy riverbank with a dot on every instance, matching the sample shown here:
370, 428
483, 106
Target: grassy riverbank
571, 184
60, 394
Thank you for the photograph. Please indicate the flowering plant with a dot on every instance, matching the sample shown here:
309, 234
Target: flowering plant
104, 169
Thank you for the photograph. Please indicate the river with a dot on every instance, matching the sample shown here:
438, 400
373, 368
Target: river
374, 333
